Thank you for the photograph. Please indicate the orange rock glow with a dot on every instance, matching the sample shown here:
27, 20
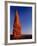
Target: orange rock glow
16, 27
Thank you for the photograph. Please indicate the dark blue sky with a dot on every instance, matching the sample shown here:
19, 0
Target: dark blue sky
25, 14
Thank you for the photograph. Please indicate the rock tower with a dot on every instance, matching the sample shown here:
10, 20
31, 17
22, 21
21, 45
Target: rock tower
16, 27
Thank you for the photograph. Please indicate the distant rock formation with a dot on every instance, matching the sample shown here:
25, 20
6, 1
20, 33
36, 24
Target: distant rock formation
16, 27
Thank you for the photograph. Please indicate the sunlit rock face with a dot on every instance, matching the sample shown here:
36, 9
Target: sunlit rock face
16, 27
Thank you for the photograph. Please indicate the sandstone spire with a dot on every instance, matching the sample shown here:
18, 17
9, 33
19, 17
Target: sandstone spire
16, 27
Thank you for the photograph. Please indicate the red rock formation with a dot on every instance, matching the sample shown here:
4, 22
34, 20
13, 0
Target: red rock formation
16, 27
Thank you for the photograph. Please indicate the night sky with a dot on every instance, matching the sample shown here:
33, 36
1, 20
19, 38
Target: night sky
25, 14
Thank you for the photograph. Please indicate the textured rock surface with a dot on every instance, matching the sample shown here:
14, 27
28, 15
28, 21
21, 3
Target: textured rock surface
16, 27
